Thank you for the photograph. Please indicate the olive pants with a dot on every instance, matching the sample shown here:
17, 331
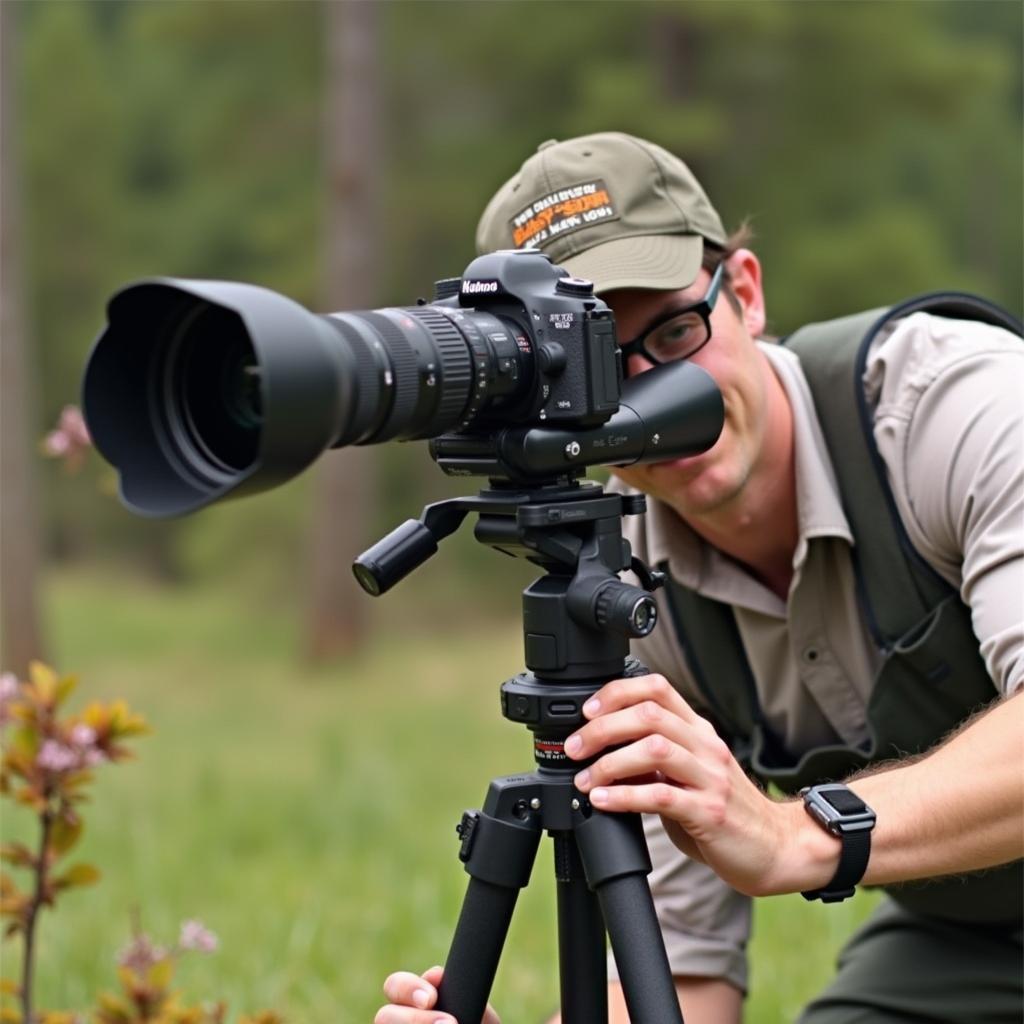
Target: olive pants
903, 967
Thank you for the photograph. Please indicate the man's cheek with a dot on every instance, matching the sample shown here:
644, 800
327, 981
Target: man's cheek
630, 476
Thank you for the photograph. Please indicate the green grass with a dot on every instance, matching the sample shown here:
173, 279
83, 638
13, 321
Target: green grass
306, 816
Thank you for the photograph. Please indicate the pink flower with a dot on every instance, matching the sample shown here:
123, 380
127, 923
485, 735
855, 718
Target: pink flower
56, 443
10, 690
70, 439
83, 735
141, 953
195, 936
57, 757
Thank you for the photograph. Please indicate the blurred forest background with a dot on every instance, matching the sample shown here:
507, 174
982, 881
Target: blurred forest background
341, 153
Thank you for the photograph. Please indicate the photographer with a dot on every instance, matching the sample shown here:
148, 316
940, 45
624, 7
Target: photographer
781, 658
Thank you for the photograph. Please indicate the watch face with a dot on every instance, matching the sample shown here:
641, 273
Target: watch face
844, 801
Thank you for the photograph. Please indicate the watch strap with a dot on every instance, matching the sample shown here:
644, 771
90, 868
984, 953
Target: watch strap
853, 862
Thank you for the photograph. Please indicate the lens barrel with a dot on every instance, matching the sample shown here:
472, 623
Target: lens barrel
200, 389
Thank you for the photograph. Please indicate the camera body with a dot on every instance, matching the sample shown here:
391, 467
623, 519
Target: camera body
550, 325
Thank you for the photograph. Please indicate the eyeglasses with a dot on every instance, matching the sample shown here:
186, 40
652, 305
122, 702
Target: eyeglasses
680, 333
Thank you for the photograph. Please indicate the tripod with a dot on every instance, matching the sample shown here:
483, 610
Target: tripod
577, 619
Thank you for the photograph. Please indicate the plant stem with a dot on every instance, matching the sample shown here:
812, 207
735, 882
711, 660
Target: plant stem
46, 820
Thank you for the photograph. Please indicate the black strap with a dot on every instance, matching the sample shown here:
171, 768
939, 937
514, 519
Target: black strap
853, 862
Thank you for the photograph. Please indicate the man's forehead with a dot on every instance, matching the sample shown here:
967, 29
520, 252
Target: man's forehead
646, 303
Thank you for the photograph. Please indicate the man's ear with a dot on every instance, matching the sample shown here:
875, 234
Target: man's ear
745, 280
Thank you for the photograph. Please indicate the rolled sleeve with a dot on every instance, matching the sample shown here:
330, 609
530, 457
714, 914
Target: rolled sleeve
705, 924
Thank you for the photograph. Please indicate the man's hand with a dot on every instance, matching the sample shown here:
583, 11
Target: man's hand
670, 761
960, 808
411, 999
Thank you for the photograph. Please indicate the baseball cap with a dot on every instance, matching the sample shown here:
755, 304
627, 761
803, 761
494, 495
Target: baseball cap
609, 207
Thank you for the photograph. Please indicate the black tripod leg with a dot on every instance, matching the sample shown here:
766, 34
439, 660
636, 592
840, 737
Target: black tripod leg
499, 856
615, 858
581, 949
475, 951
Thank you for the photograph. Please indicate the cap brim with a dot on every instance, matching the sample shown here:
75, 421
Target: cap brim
662, 262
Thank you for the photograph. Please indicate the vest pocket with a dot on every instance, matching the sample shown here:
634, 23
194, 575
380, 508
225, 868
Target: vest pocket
929, 683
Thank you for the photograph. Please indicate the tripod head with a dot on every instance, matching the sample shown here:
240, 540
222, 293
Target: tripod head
577, 617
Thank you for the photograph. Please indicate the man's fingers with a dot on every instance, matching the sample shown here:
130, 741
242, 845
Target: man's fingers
408, 989
652, 754
412, 999
654, 798
624, 692
631, 723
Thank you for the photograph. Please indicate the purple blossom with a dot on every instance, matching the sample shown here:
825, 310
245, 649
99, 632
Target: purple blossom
141, 953
83, 739
55, 756
10, 690
70, 439
83, 735
195, 936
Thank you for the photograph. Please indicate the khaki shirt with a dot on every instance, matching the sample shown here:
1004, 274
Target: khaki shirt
948, 398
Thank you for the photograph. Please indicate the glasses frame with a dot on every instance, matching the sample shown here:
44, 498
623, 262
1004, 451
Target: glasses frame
702, 308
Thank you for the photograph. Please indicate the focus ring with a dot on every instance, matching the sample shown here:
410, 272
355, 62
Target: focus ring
456, 369
406, 377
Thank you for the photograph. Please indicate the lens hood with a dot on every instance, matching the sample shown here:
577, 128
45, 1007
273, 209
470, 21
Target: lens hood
163, 375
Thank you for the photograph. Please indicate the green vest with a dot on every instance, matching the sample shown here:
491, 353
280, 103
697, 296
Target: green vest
932, 676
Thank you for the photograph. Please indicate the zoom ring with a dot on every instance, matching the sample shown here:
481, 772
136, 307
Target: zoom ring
456, 369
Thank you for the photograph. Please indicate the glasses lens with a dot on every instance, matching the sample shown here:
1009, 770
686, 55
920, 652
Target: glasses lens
678, 338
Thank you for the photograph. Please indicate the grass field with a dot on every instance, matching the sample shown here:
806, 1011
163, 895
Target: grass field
307, 816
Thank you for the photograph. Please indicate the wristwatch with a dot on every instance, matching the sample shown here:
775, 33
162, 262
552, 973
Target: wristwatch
839, 810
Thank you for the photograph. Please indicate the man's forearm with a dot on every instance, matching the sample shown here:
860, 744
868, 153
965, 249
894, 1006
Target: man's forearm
959, 809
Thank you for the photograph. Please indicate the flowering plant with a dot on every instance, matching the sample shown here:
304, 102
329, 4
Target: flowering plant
48, 763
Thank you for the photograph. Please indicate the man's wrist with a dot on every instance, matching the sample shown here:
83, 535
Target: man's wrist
810, 854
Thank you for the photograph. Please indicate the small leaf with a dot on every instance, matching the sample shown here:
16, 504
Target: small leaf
9, 987
124, 722
160, 974
10, 1016
31, 797
96, 716
44, 680
65, 687
17, 854
74, 781
65, 832
77, 874
111, 1009
22, 747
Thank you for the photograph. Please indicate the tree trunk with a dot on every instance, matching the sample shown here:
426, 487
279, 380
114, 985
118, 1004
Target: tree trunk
19, 521
345, 493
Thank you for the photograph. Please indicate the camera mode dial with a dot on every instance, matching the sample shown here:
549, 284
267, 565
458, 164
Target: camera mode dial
575, 286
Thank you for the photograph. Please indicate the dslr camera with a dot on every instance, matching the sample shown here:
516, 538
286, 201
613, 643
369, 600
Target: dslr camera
197, 390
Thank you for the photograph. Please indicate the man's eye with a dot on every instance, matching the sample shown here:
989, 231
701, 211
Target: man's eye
677, 336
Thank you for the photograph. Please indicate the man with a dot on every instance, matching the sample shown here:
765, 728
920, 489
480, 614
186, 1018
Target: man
757, 527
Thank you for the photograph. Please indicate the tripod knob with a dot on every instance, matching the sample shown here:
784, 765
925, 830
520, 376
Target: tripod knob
625, 609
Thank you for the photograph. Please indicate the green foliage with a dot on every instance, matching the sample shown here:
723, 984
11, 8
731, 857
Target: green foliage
874, 145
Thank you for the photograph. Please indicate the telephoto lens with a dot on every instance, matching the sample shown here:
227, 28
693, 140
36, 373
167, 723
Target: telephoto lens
200, 389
